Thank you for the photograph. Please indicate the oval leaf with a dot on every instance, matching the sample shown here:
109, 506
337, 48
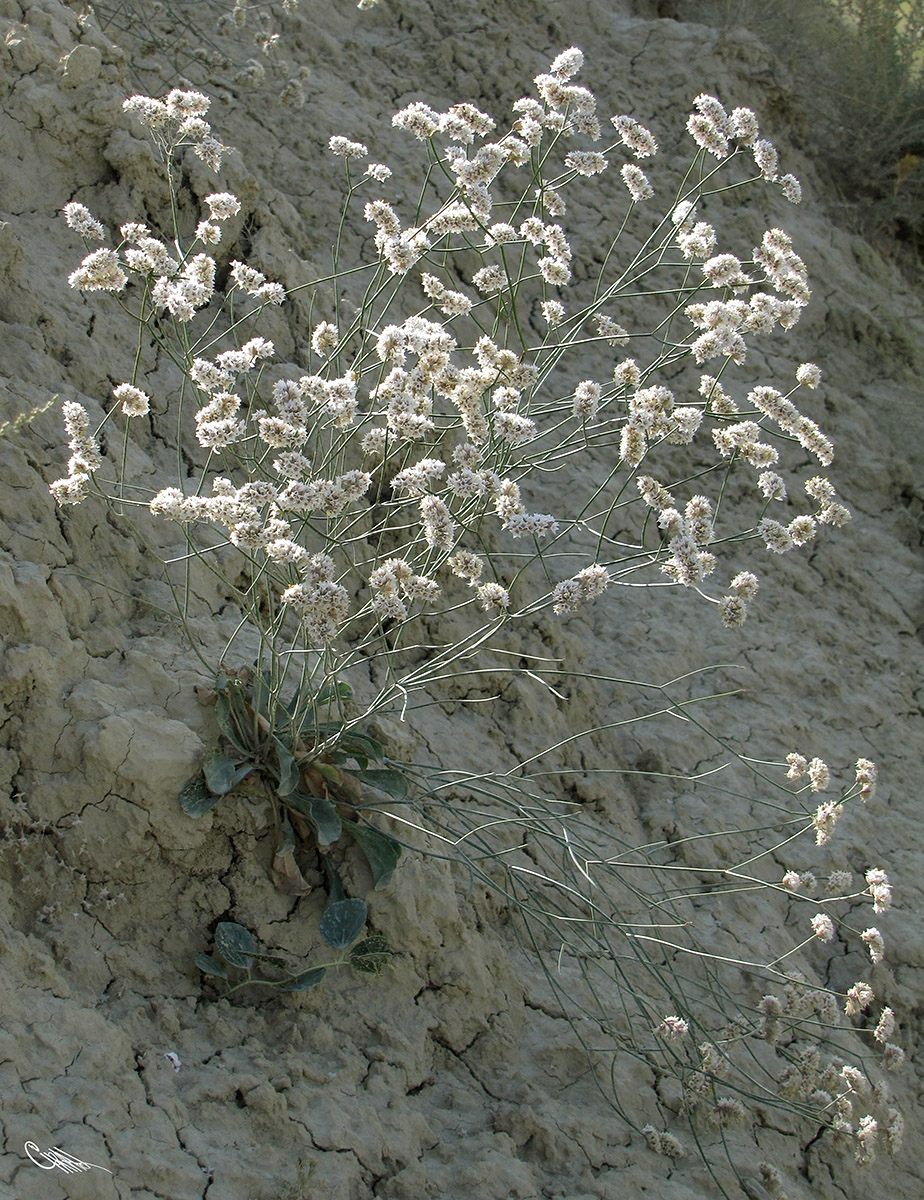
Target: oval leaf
289, 774
360, 746
210, 966
226, 722
307, 979
382, 852
321, 813
223, 773
196, 799
371, 955
392, 783
343, 922
235, 944
326, 770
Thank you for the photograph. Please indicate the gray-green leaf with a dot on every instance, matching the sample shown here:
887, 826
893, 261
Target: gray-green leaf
235, 944
343, 922
196, 798
210, 966
307, 979
289, 774
392, 783
329, 692
321, 813
370, 955
226, 723
382, 852
361, 746
223, 773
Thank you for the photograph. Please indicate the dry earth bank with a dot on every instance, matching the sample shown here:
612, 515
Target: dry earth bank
457, 1074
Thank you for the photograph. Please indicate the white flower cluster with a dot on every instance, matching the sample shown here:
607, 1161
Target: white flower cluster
394, 583
635, 137
254, 283
80, 219
135, 402
662, 1142
179, 286
100, 271
85, 458
733, 607
321, 603
407, 406
637, 182
687, 536
672, 1028
565, 109
178, 120
879, 888
714, 129
450, 302
652, 414
401, 249
830, 511
867, 777
710, 126
783, 412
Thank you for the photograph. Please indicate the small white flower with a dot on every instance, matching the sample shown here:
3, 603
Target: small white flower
325, 338
344, 148
492, 596
672, 1028
637, 182
222, 205
135, 403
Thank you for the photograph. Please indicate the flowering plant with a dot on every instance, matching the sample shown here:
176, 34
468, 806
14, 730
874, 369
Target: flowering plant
374, 512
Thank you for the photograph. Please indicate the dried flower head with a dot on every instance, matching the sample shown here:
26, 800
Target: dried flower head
893, 1057
82, 220
671, 1147
867, 776
637, 182
135, 403
491, 596
859, 997
672, 1028
867, 1133
343, 148
100, 271
727, 1111
875, 944
879, 888
824, 821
